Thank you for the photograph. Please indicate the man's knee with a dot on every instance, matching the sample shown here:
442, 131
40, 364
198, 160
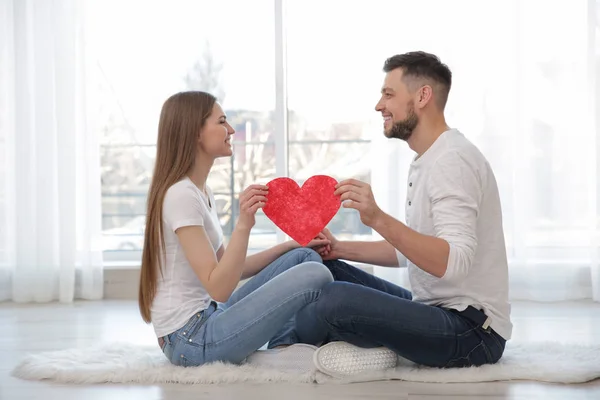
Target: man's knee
334, 300
338, 267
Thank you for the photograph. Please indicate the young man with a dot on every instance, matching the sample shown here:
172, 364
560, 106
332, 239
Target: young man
458, 312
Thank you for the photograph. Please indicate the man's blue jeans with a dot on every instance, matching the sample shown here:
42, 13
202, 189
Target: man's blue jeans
367, 311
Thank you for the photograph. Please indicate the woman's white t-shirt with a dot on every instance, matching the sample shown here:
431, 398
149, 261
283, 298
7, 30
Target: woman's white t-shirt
180, 294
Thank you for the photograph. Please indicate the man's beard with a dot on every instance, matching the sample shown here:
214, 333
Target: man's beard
404, 129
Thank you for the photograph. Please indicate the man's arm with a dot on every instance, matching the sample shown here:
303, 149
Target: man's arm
427, 252
453, 190
379, 253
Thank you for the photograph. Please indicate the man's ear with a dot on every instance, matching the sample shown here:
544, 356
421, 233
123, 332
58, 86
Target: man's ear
424, 96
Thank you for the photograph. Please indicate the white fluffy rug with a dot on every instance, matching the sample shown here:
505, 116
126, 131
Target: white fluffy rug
128, 363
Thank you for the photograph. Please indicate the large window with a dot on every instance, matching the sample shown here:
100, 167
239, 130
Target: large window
310, 72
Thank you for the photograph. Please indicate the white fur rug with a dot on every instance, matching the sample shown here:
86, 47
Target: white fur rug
128, 363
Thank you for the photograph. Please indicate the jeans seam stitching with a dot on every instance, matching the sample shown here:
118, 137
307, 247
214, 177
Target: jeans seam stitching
351, 274
369, 320
467, 356
355, 277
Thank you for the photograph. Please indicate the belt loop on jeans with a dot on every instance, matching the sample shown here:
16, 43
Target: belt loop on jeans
487, 323
478, 317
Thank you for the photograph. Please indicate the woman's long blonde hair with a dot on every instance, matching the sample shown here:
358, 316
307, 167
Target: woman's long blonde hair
182, 117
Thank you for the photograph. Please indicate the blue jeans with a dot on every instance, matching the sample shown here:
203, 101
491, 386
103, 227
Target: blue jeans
260, 311
367, 311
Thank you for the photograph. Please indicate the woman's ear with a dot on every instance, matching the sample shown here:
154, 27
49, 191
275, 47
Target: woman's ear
199, 143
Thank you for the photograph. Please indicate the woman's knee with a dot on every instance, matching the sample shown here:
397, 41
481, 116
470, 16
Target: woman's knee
292, 259
312, 275
305, 254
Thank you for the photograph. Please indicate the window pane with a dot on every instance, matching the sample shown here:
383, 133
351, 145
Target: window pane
226, 48
126, 173
254, 162
331, 101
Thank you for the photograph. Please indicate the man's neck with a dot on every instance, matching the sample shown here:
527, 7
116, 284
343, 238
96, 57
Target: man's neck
426, 133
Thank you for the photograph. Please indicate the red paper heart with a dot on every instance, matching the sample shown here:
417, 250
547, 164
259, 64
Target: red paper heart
302, 212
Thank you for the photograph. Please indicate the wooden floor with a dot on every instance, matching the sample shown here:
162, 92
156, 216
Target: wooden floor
31, 328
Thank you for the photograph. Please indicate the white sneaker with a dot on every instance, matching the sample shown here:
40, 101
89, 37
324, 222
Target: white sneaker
341, 359
296, 358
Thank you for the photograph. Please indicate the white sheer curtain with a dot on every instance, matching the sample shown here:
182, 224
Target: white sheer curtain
526, 92
49, 165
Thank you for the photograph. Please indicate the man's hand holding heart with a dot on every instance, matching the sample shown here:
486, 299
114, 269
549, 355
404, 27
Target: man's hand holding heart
359, 196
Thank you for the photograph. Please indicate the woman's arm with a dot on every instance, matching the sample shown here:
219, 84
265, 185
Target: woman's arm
256, 262
221, 276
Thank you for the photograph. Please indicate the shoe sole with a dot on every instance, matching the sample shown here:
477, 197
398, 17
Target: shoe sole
341, 359
294, 358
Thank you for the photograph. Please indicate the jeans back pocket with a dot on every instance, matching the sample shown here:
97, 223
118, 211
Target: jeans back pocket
190, 332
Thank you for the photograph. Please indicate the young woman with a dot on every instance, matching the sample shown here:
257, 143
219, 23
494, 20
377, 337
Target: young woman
188, 279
